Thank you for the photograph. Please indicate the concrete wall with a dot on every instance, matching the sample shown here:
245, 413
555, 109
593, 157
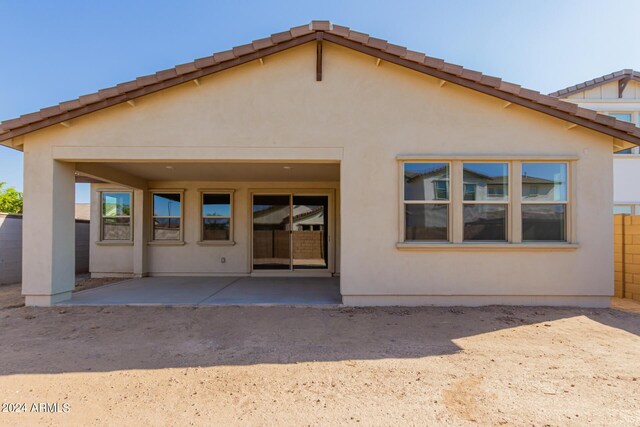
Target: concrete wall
627, 256
363, 116
11, 248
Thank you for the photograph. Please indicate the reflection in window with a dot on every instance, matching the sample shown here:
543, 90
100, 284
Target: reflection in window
426, 222
426, 201
167, 214
426, 181
544, 201
485, 222
485, 210
543, 222
544, 182
116, 216
216, 216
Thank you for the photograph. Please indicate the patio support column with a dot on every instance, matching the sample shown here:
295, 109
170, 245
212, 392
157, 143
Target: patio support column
140, 232
48, 242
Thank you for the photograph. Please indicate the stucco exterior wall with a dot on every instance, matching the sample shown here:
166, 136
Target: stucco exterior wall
363, 116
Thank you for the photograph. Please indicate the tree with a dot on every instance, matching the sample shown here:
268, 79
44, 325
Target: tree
10, 199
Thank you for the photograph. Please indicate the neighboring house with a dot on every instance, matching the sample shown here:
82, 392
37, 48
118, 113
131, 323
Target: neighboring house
617, 95
421, 182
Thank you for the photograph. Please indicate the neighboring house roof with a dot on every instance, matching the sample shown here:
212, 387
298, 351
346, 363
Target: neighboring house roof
623, 77
318, 31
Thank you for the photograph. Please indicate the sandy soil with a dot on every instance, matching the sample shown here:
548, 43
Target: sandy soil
303, 366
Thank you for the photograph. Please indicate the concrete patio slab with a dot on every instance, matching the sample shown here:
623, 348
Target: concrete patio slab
212, 291
279, 290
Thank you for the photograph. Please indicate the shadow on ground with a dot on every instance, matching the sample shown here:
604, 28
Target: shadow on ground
80, 339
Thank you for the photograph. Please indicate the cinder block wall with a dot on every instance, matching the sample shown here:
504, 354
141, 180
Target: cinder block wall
626, 254
11, 248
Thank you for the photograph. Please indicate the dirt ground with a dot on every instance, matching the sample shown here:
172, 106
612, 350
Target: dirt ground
312, 366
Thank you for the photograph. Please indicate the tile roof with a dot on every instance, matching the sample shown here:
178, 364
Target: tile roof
598, 81
319, 30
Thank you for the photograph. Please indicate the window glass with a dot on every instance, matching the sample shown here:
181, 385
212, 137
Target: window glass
166, 229
426, 222
166, 204
545, 222
625, 117
426, 181
486, 222
623, 209
216, 205
489, 179
216, 228
116, 216
544, 182
166, 216
216, 216
116, 204
626, 151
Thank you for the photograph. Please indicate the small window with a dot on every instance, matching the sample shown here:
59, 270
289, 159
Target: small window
485, 214
116, 216
623, 209
625, 117
426, 201
216, 216
544, 211
167, 216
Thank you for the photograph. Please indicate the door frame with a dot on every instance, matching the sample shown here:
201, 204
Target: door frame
331, 238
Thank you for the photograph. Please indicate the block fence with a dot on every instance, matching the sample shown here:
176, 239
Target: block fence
11, 247
626, 256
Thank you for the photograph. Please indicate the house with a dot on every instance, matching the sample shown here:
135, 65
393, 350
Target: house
322, 151
617, 95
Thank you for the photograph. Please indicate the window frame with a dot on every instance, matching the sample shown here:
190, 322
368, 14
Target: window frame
152, 240
435, 201
567, 205
101, 239
514, 205
229, 241
506, 202
635, 119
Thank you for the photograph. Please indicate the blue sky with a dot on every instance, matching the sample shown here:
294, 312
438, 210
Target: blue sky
55, 51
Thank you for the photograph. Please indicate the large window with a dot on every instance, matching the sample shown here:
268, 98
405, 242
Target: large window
485, 211
216, 217
544, 211
627, 117
167, 216
473, 201
426, 201
116, 216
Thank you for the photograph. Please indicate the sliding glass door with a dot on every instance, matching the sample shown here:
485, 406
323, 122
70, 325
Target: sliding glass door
290, 232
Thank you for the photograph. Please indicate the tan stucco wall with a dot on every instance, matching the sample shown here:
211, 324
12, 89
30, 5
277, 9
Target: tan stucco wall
364, 116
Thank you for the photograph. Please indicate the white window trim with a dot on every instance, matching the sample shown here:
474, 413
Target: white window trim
231, 240
112, 242
180, 241
514, 205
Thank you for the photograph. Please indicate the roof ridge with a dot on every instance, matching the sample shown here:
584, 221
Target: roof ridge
182, 73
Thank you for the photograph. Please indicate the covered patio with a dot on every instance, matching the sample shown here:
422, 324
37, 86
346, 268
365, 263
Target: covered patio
213, 291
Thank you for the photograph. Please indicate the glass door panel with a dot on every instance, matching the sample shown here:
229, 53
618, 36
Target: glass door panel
310, 232
271, 232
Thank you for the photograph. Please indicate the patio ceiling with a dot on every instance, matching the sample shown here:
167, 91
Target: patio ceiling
230, 172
